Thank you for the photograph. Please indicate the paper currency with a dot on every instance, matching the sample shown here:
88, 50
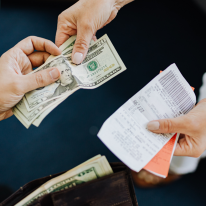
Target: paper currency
40, 118
67, 44
100, 65
94, 168
67, 47
168, 95
67, 84
27, 117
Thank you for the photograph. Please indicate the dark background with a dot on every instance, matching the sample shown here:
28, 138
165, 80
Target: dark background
149, 35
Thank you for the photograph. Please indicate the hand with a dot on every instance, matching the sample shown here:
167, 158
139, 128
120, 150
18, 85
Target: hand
17, 62
192, 127
84, 18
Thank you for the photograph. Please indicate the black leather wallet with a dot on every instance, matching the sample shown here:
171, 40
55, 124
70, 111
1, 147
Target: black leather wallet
112, 190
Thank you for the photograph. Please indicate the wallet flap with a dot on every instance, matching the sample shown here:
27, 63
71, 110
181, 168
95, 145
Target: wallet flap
114, 189
110, 190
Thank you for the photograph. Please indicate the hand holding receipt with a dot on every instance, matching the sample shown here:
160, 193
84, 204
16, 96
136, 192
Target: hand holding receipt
167, 96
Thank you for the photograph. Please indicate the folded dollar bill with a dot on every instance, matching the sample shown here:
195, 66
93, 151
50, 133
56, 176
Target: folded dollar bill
101, 64
94, 168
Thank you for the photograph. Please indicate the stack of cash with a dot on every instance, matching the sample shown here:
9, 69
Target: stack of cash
101, 64
94, 168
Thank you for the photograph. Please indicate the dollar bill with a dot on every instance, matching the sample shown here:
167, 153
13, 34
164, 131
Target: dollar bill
69, 43
67, 47
41, 116
27, 117
92, 169
100, 65
66, 84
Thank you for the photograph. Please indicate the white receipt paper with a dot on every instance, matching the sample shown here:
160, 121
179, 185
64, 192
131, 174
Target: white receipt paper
168, 95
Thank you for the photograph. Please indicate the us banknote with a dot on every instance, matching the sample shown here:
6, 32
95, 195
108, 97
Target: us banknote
94, 168
66, 45
100, 65
27, 117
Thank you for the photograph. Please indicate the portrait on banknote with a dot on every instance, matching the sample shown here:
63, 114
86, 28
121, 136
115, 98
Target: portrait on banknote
67, 82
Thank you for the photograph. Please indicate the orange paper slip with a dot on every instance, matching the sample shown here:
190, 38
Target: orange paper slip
160, 163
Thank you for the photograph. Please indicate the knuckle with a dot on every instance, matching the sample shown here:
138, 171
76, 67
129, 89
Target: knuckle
81, 43
29, 38
168, 126
86, 25
39, 80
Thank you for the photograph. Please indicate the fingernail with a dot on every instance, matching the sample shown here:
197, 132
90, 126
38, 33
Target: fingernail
153, 125
54, 73
77, 59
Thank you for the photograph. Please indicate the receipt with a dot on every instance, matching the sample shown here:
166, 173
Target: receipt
160, 163
168, 95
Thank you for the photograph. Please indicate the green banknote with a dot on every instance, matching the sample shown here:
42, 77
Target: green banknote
101, 64
92, 169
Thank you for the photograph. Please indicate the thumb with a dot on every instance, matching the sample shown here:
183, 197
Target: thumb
40, 79
174, 125
84, 36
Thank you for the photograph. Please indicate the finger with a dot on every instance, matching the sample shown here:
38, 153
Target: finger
64, 31
94, 38
38, 58
9, 113
32, 43
175, 125
112, 16
61, 38
6, 114
84, 36
39, 79
187, 146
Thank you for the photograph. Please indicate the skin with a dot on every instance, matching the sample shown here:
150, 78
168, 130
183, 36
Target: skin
192, 127
84, 19
19, 61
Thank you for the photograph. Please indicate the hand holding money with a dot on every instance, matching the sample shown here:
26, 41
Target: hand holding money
84, 19
19, 61
101, 64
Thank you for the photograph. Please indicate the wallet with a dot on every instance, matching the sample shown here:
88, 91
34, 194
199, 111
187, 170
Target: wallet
116, 189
